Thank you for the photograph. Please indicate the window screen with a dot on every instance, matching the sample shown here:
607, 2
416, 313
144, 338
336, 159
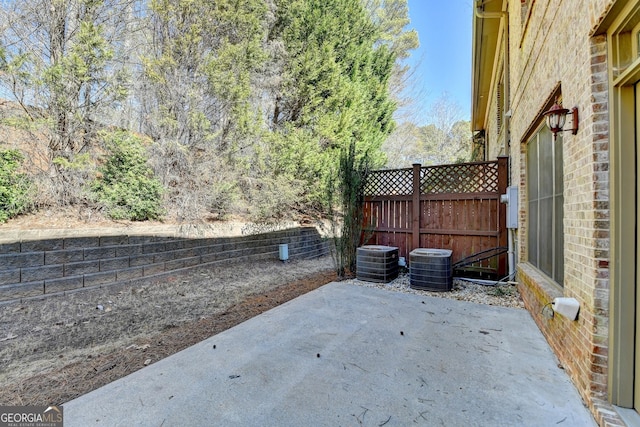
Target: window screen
545, 202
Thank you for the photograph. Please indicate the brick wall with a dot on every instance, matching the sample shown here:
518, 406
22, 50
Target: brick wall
38, 267
546, 53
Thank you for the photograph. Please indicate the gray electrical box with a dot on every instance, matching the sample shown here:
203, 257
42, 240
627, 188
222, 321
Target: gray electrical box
511, 200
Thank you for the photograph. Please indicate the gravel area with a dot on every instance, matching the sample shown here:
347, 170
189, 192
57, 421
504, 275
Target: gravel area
502, 294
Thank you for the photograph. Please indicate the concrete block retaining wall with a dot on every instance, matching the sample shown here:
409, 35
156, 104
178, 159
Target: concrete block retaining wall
34, 268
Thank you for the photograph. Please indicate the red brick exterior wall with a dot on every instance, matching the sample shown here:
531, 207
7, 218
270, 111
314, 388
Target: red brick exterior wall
546, 54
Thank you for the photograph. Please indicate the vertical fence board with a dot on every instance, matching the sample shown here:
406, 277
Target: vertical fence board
453, 207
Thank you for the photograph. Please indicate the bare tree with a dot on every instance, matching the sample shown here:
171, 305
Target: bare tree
447, 139
63, 65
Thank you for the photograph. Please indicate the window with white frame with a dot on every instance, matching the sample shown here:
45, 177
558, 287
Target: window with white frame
545, 234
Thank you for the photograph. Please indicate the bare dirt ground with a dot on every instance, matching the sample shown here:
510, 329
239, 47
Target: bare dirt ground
55, 349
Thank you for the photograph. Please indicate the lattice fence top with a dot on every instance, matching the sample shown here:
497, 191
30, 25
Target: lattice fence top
389, 182
462, 178
481, 177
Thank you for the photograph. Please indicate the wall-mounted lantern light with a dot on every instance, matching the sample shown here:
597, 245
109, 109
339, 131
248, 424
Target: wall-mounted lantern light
557, 116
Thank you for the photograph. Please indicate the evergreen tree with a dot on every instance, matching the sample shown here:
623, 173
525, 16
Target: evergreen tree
392, 18
334, 88
200, 71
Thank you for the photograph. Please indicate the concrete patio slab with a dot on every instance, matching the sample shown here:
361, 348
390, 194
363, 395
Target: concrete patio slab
346, 355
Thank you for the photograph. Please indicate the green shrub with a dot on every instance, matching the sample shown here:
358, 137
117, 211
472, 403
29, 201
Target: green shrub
222, 197
14, 186
345, 196
128, 188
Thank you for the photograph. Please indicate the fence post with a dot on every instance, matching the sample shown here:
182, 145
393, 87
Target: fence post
415, 229
503, 181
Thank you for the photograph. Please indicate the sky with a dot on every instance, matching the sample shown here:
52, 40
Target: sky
443, 60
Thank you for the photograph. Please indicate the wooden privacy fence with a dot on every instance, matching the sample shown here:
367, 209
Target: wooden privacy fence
453, 207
